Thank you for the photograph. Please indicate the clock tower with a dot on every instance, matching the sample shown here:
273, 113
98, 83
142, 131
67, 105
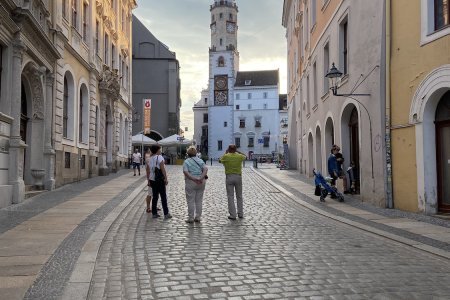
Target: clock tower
223, 67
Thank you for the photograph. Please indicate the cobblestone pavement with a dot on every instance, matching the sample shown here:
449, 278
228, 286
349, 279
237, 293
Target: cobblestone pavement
280, 250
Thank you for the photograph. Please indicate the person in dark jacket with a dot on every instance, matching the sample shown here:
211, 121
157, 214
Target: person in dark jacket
333, 167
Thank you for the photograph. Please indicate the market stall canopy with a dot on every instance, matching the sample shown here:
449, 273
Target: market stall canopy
140, 139
174, 140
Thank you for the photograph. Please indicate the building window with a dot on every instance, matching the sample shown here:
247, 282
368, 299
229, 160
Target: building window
242, 123
85, 22
83, 162
113, 56
258, 123
308, 96
221, 42
67, 160
1, 69
106, 56
65, 108
326, 65
265, 105
122, 79
315, 84
266, 141
126, 77
251, 142
265, 95
237, 106
225, 124
230, 17
441, 14
74, 13
237, 142
313, 12
123, 20
205, 118
80, 120
112, 4
219, 145
221, 62
238, 96
220, 15
206, 100
120, 69
97, 120
64, 9
249, 106
249, 96
343, 46
97, 37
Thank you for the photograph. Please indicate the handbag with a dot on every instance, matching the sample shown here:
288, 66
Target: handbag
159, 176
206, 176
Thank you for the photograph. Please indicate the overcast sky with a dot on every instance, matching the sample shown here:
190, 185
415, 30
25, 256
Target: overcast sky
183, 25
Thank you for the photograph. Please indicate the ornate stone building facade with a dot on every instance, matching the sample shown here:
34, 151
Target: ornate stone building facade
65, 92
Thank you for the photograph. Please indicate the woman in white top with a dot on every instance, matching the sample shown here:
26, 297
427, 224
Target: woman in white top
158, 185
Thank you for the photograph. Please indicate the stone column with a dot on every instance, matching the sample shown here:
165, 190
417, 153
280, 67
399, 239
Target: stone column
115, 136
103, 169
49, 151
17, 146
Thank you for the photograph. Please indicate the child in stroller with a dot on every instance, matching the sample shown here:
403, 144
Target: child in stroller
323, 188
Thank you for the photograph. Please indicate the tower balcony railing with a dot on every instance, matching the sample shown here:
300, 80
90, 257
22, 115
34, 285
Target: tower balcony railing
223, 3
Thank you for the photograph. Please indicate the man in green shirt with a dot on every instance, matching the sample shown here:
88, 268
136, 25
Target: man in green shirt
232, 161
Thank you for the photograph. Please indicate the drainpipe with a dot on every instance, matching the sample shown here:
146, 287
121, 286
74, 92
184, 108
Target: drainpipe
389, 197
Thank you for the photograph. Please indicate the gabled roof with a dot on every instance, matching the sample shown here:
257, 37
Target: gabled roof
256, 78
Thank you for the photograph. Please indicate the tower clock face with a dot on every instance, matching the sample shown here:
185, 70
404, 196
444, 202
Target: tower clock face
221, 98
221, 83
231, 27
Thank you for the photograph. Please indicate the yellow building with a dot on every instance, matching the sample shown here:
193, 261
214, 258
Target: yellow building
420, 104
93, 88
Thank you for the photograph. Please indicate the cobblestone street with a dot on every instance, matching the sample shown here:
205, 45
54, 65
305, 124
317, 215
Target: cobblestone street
280, 250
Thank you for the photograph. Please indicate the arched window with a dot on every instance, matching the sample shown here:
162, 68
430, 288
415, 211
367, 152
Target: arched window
83, 113
65, 107
96, 125
221, 62
68, 106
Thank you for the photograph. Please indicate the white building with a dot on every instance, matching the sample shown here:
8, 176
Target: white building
227, 96
256, 112
201, 122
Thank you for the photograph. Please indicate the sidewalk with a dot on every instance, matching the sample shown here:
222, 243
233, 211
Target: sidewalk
48, 232
427, 233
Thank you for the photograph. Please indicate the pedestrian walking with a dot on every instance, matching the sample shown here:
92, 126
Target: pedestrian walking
148, 198
333, 168
195, 175
232, 161
158, 181
137, 161
341, 173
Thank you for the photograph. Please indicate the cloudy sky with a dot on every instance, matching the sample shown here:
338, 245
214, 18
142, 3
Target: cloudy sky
183, 25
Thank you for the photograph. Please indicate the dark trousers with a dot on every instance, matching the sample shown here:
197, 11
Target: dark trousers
159, 189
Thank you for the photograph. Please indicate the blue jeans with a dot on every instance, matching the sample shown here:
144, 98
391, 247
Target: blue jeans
159, 189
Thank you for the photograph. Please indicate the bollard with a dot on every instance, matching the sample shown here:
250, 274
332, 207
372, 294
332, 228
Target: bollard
211, 161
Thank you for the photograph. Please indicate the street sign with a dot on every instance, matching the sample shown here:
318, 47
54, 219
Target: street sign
260, 141
180, 138
147, 113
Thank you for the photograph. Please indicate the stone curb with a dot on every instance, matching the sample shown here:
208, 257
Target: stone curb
77, 287
394, 237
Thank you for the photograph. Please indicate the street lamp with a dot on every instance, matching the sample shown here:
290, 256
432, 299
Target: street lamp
333, 75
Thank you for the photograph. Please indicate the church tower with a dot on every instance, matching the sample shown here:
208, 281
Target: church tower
223, 67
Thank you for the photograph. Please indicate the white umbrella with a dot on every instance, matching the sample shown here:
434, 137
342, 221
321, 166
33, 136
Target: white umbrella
142, 139
174, 140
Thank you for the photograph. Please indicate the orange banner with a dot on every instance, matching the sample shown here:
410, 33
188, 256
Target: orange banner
147, 113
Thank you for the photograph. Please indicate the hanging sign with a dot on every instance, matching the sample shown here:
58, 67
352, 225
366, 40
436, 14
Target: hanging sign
147, 113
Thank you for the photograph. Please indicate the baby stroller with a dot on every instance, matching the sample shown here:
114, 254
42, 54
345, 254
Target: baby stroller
323, 188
